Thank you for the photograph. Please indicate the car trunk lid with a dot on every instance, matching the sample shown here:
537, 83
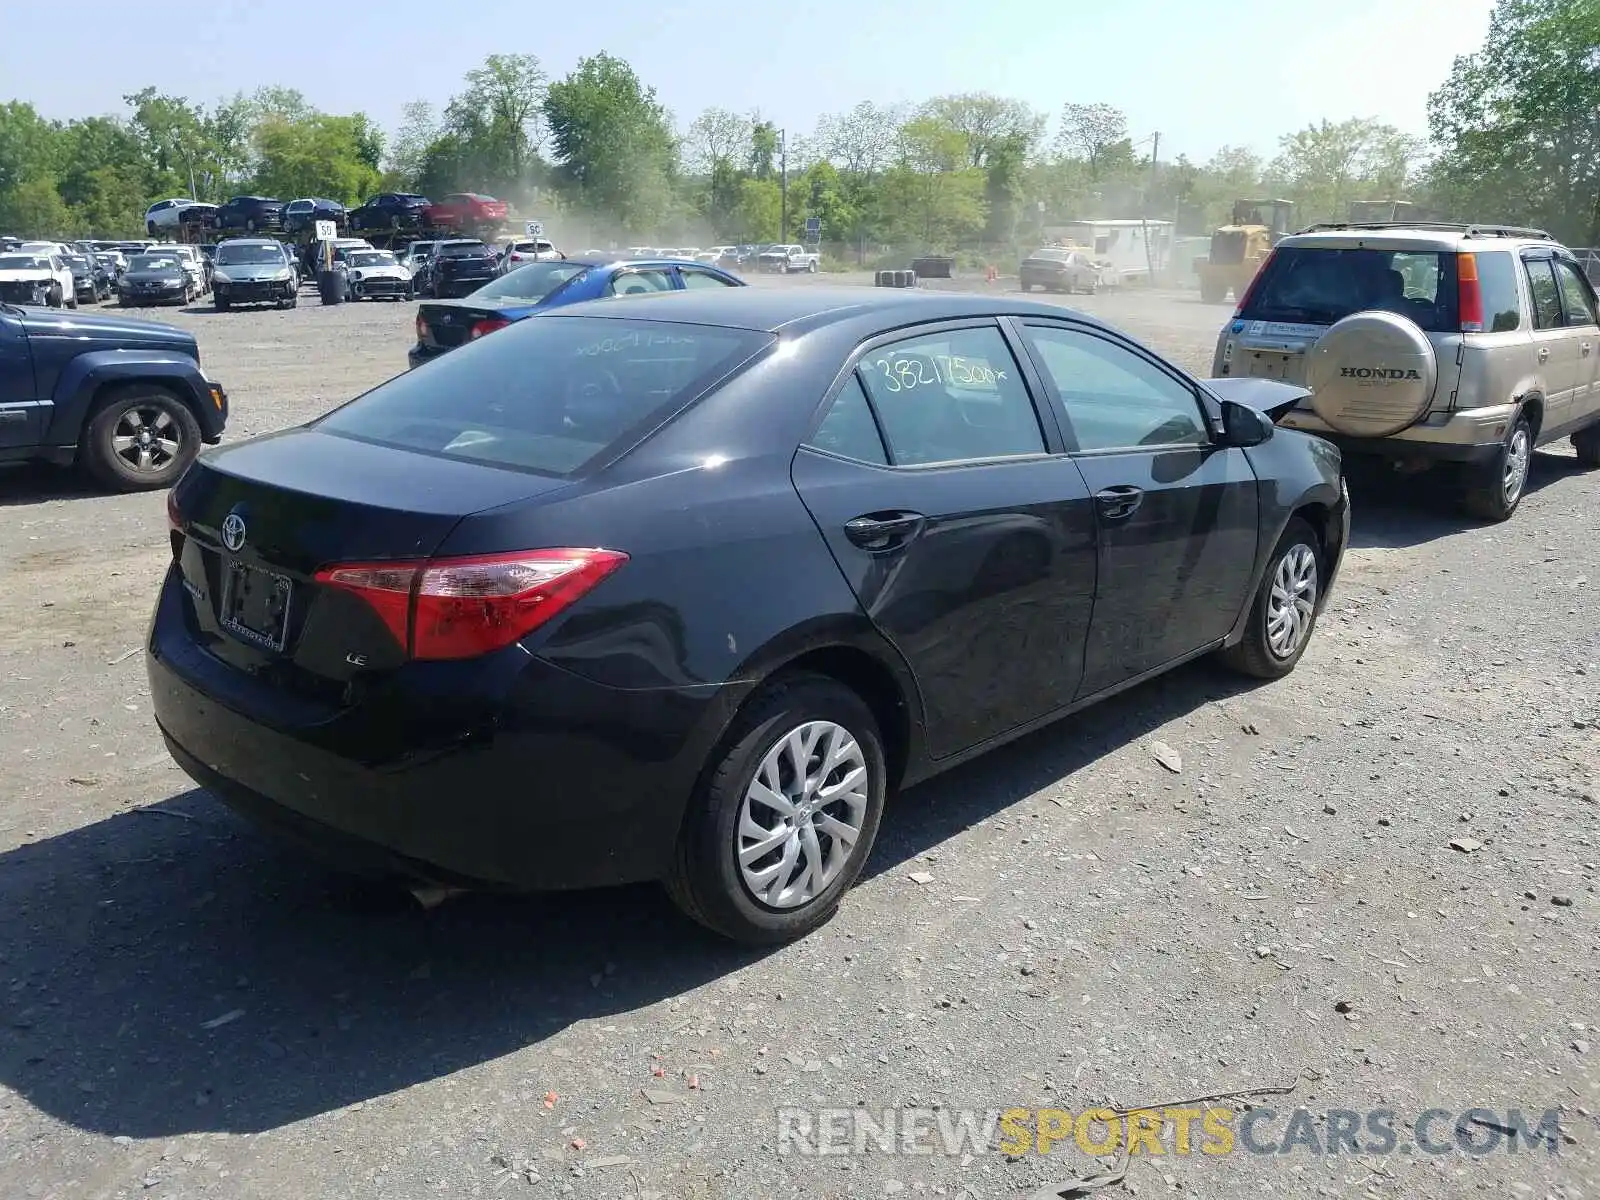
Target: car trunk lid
445, 326
257, 521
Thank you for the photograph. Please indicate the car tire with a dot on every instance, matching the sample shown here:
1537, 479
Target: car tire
221, 303
52, 298
811, 268
72, 300
706, 879
1283, 614
145, 407
1587, 443
1492, 492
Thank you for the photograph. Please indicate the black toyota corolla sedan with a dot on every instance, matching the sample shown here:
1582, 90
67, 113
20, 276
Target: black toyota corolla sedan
692, 599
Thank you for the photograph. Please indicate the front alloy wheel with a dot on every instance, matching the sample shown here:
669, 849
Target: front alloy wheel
1284, 611
785, 815
1292, 601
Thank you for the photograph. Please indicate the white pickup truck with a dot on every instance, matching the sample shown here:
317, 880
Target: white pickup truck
785, 259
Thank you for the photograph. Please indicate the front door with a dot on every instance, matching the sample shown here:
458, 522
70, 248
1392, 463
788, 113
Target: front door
969, 545
1177, 515
21, 414
1554, 345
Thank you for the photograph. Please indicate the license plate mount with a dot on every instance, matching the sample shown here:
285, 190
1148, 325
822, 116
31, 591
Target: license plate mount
256, 605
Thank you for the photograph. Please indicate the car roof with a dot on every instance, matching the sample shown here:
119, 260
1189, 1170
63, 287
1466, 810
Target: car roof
1442, 236
800, 310
247, 241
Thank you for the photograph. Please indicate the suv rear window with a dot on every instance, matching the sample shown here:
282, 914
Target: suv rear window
601, 384
1314, 285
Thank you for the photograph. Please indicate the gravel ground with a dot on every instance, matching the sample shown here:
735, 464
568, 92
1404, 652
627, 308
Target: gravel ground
188, 1011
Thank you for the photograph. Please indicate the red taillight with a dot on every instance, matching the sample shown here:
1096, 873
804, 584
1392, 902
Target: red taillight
1244, 300
422, 329
464, 607
487, 325
1469, 294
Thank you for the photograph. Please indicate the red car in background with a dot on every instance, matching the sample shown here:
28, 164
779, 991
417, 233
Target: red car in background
467, 212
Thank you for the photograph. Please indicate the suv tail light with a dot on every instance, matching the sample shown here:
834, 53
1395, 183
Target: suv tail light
446, 608
1249, 291
487, 325
1469, 293
422, 329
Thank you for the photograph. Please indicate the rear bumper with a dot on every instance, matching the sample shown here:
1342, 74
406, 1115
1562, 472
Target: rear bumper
1473, 435
508, 773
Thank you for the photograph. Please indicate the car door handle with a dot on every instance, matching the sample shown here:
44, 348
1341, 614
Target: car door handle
1120, 502
1544, 353
1584, 348
884, 531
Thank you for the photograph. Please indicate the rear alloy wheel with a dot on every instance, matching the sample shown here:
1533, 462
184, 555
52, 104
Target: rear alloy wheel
1493, 491
1587, 443
785, 817
1285, 609
141, 440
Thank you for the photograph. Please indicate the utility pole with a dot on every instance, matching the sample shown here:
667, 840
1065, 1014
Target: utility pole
783, 184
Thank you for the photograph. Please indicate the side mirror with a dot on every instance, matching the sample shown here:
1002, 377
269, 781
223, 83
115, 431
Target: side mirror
1243, 425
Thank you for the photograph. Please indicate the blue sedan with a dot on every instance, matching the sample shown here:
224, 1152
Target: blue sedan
443, 325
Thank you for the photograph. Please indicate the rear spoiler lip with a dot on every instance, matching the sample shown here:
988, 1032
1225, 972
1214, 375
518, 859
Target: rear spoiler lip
1270, 396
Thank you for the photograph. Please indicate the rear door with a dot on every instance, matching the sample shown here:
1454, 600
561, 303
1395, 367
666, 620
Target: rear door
1578, 309
968, 542
1555, 345
1178, 516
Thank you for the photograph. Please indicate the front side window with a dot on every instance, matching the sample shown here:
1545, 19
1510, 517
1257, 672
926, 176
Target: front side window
1113, 398
951, 396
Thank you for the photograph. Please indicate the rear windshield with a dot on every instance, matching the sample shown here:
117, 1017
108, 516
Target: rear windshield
601, 385
532, 282
1317, 286
462, 249
1052, 253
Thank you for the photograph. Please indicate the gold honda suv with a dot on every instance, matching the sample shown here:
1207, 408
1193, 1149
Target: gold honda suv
1429, 344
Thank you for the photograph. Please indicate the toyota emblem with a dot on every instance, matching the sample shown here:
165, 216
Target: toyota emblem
233, 532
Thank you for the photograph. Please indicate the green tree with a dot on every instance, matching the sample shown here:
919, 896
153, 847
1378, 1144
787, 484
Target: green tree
175, 137
759, 212
1517, 125
34, 208
317, 155
498, 116
820, 193
936, 198
1327, 165
614, 143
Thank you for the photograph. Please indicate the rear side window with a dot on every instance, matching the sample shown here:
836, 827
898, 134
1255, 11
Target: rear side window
634, 283
1546, 295
849, 429
599, 387
1313, 285
950, 396
1577, 298
1497, 280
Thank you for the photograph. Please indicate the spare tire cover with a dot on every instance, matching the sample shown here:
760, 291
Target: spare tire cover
1372, 374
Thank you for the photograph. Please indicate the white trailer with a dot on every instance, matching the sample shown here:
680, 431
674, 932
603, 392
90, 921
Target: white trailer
1133, 250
